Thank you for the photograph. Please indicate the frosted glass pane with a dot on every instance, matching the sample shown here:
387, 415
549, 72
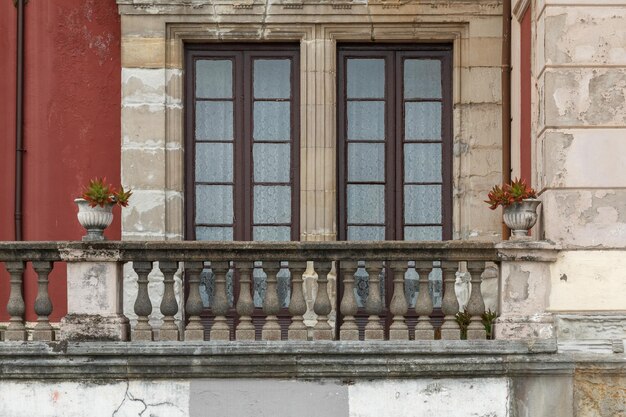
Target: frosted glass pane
214, 162
422, 121
366, 204
366, 233
272, 120
366, 78
271, 233
271, 162
422, 204
214, 233
214, 79
422, 162
214, 120
214, 204
366, 162
272, 78
422, 78
422, 233
272, 204
366, 120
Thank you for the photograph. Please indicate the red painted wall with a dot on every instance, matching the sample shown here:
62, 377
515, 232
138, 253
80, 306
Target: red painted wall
525, 105
72, 122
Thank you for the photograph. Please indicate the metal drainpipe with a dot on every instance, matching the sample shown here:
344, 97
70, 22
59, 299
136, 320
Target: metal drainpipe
19, 119
506, 100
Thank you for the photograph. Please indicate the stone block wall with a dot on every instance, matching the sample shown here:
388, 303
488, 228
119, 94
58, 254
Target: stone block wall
579, 127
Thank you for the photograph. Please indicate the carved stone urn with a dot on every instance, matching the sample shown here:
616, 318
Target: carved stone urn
94, 219
521, 217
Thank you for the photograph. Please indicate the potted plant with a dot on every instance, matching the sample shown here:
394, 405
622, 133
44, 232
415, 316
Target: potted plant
520, 206
95, 207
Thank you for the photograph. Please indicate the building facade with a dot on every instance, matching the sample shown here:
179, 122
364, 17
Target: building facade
322, 121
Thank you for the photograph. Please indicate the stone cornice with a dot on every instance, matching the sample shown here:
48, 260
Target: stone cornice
303, 360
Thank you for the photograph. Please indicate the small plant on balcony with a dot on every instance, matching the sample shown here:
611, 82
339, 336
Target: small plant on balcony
507, 194
95, 207
520, 203
463, 318
99, 193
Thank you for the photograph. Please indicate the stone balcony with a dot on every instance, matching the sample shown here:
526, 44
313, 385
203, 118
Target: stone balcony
257, 290
354, 354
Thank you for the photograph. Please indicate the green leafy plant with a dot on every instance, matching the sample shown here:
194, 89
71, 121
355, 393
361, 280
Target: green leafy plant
508, 194
99, 193
463, 318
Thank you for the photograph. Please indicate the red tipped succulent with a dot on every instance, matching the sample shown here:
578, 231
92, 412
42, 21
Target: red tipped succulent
511, 193
99, 193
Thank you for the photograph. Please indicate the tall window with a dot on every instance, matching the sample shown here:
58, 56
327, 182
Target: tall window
394, 132
394, 108
242, 176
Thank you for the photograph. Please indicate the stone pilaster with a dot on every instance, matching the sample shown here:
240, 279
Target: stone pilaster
525, 290
94, 302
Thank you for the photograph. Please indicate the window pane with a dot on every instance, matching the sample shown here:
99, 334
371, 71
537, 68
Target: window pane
366, 233
271, 233
214, 79
366, 204
422, 78
422, 121
272, 204
422, 162
214, 233
214, 120
366, 120
366, 162
271, 162
272, 120
272, 78
422, 204
214, 162
422, 233
366, 78
214, 204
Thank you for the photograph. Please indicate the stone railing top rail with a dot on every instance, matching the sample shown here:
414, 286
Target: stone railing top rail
124, 251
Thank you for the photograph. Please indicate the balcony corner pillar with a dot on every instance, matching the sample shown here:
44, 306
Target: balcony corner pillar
525, 270
94, 299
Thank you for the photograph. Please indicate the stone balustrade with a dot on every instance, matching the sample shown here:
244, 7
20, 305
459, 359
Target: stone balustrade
95, 290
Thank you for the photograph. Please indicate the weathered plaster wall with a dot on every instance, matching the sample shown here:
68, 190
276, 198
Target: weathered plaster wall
588, 281
580, 62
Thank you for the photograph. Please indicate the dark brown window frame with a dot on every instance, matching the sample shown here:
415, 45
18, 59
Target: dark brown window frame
242, 56
394, 150
394, 120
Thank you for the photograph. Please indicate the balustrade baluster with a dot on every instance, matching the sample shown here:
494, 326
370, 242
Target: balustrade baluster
476, 304
169, 305
297, 304
398, 306
374, 305
193, 308
322, 307
348, 307
245, 304
43, 305
424, 329
16, 331
220, 329
143, 305
271, 305
450, 329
